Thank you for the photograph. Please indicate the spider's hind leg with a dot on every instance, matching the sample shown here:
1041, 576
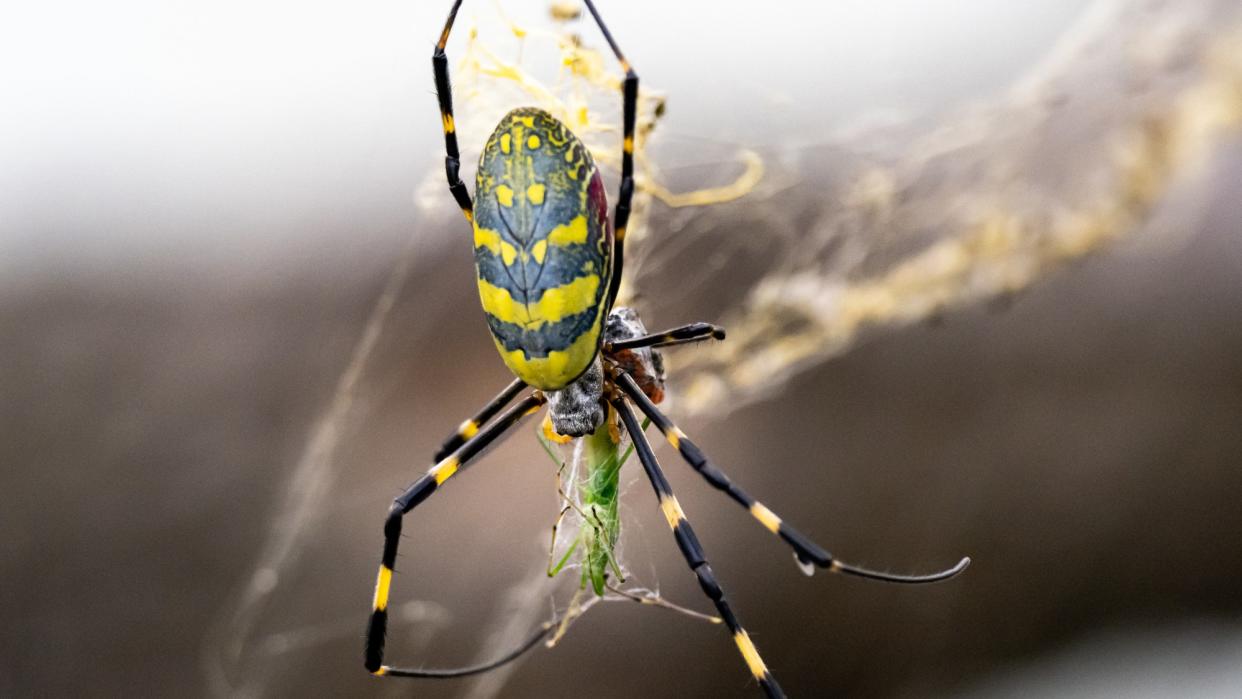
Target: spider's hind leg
625, 194
444, 92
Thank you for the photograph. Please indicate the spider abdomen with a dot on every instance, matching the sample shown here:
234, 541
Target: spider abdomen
542, 248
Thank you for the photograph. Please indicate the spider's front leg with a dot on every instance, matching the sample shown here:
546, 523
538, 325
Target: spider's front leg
693, 551
377, 625
471, 427
808, 554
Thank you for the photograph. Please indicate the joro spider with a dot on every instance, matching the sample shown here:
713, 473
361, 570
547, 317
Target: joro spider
549, 265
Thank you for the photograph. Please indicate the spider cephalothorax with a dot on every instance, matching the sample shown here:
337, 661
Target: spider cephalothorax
579, 409
549, 265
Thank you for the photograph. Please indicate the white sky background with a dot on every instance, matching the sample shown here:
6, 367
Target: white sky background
219, 129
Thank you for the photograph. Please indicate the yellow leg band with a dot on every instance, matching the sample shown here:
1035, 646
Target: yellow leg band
444, 470
672, 511
382, 583
751, 654
766, 517
674, 437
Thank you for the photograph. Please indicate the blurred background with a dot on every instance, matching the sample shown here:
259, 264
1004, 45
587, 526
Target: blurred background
982, 301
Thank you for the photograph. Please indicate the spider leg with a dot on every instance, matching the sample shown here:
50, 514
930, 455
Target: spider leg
629, 108
694, 332
470, 427
693, 552
377, 626
807, 552
444, 91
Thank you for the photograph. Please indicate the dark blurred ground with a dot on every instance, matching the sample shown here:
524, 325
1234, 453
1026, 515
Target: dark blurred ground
1079, 442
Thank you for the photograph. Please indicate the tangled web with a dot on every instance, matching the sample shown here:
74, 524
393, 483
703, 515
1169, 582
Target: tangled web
912, 220
884, 226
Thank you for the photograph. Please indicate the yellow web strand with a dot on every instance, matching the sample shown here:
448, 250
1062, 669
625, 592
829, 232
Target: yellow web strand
999, 244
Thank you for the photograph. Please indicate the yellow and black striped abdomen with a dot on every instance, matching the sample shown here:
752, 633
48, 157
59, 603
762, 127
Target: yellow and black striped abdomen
542, 248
